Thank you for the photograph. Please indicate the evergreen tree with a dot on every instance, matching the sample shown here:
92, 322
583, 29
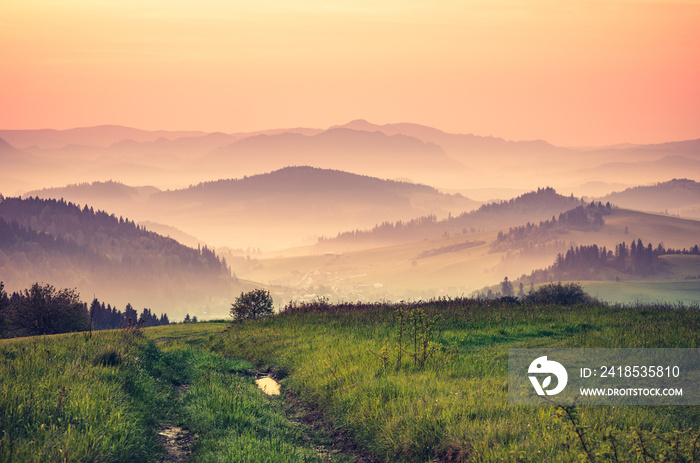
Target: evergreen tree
130, 314
4, 306
507, 288
96, 315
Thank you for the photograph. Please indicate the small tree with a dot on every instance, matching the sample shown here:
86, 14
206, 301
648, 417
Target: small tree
46, 310
507, 288
253, 304
560, 294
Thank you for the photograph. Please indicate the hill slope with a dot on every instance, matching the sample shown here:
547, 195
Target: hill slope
278, 209
461, 146
59, 243
677, 196
530, 207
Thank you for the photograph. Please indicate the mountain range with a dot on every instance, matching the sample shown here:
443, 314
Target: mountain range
118, 260
410, 151
274, 210
366, 211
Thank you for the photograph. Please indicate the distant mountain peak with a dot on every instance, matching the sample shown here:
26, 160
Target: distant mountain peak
6, 148
405, 128
304, 176
679, 181
357, 124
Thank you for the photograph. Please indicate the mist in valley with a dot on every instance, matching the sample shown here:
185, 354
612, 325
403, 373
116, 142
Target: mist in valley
352, 212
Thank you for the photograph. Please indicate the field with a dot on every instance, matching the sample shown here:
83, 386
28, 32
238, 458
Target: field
646, 292
383, 272
439, 395
679, 284
185, 331
117, 396
454, 407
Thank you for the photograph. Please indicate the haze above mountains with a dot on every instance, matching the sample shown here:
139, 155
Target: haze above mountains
280, 209
475, 165
148, 176
374, 211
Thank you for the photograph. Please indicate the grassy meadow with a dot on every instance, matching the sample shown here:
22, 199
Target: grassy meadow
407, 382
686, 292
678, 284
112, 396
76, 398
445, 399
184, 331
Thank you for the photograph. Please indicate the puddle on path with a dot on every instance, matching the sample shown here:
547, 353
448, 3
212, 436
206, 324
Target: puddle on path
177, 443
268, 385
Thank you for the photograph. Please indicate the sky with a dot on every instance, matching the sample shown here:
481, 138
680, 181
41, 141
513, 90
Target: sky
574, 73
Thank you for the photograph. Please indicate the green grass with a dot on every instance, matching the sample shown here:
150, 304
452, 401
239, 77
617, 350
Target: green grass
233, 419
76, 398
185, 330
456, 407
679, 283
686, 292
104, 398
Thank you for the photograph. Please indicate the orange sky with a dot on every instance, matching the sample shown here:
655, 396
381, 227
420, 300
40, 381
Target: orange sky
576, 72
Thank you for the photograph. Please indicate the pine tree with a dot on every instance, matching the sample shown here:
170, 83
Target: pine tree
506, 288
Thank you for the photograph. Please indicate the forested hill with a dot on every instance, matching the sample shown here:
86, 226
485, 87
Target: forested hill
534, 206
250, 211
677, 196
118, 239
304, 181
57, 242
595, 262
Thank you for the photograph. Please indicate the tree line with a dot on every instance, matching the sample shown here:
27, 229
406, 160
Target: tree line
586, 261
539, 204
590, 217
44, 309
109, 318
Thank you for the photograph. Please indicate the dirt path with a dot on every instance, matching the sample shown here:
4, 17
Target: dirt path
310, 420
341, 443
176, 441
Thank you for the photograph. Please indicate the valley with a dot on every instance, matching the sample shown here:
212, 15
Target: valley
357, 211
